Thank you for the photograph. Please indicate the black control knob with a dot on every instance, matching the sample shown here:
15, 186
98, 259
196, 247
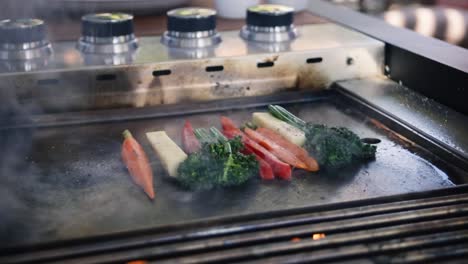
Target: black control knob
22, 41
269, 23
107, 25
270, 16
17, 31
191, 27
107, 33
191, 20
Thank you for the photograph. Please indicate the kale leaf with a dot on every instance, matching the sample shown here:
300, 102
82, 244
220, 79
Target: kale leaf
217, 164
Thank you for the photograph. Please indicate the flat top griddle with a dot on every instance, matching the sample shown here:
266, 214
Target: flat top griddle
69, 182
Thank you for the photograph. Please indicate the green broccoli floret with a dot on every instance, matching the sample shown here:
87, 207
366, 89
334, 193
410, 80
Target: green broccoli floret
336, 147
238, 168
217, 164
198, 172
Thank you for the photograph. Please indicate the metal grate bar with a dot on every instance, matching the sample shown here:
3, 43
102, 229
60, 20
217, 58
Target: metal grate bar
287, 233
334, 242
271, 245
268, 235
381, 252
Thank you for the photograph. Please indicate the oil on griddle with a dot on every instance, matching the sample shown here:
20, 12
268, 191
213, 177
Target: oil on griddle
71, 183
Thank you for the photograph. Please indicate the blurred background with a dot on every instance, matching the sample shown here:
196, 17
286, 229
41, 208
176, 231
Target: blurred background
443, 19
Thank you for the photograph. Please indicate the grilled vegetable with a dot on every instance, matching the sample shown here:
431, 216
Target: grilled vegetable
249, 125
280, 169
290, 132
301, 153
266, 172
275, 149
219, 163
170, 155
333, 147
286, 116
337, 147
137, 163
189, 140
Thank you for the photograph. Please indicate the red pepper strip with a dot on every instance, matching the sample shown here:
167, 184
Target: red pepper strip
280, 169
189, 140
137, 163
227, 124
280, 152
266, 172
301, 153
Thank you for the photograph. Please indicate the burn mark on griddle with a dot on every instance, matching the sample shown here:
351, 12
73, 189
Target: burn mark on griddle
272, 58
226, 90
311, 78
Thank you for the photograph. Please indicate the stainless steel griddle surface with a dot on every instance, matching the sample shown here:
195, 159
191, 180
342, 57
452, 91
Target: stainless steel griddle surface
69, 182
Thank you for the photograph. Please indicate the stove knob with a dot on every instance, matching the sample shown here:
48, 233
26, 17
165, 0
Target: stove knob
22, 31
107, 33
191, 28
23, 39
269, 23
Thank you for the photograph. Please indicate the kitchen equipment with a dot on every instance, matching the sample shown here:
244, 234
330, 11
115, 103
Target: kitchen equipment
191, 28
107, 38
269, 23
66, 196
334, 233
107, 33
24, 45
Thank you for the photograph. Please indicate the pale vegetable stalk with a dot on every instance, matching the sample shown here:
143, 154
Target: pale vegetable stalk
291, 133
168, 152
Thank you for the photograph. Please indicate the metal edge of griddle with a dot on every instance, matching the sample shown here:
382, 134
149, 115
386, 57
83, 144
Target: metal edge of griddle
161, 111
259, 244
375, 215
422, 138
231, 73
203, 226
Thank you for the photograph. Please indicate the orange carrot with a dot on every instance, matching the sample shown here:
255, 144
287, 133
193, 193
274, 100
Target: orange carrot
275, 149
137, 163
293, 148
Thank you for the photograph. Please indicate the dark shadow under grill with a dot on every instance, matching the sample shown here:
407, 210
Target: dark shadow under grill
420, 227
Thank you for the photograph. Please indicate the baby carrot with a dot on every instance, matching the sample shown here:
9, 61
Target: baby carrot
137, 163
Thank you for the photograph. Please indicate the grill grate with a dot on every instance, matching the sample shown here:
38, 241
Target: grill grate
421, 227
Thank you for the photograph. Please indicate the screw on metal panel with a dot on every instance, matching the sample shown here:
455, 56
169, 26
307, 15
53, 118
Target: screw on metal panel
387, 70
349, 61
